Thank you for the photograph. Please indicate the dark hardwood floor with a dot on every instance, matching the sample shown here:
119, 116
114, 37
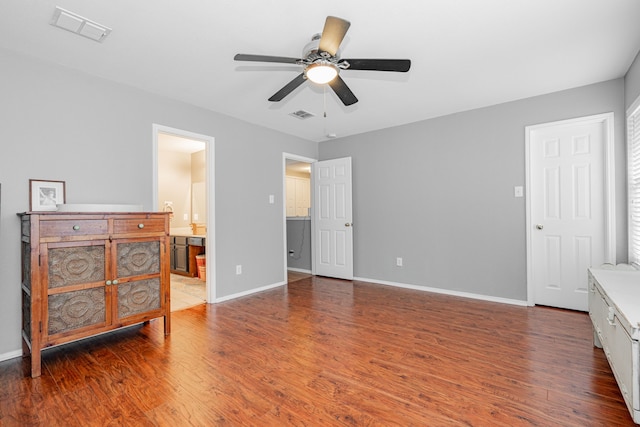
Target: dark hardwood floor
324, 352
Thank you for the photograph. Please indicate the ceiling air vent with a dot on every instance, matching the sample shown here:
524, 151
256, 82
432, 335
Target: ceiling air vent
77, 24
301, 114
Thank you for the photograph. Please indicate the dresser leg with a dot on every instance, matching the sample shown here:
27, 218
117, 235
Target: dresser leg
36, 364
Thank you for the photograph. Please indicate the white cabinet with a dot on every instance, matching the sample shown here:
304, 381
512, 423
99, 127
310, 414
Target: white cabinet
298, 196
615, 314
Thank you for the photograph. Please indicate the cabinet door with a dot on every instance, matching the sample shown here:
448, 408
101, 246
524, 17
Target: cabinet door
137, 275
182, 258
77, 297
291, 196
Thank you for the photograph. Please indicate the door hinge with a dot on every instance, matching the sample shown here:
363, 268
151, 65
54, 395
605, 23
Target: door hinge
40, 325
39, 260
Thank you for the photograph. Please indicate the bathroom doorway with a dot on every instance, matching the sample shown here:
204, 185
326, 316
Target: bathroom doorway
298, 206
183, 186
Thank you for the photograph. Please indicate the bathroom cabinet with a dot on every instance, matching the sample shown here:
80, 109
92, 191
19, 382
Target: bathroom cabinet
87, 273
184, 250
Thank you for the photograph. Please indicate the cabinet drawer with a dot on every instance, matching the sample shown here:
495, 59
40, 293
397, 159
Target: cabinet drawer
620, 351
180, 240
65, 228
138, 225
196, 241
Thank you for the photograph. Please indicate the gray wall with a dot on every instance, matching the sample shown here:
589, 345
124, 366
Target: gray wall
299, 241
97, 136
632, 83
439, 193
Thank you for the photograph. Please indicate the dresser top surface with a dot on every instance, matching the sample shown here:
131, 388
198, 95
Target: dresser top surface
623, 289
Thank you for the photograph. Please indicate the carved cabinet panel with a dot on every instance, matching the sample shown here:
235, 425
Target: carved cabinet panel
88, 273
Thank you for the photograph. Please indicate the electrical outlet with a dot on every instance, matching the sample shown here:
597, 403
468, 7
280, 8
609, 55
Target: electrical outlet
185, 217
399, 262
272, 199
238, 269
291, 253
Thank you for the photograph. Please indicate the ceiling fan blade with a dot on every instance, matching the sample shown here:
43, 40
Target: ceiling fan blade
288, 88
400, 65
332, 35
265, 58
342, 90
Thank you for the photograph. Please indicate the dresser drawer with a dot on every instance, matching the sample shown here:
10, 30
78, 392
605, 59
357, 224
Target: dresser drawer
598, 310
138, 225
621, 351
66, 227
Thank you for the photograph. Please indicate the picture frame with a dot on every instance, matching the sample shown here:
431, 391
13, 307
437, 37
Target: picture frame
45, 195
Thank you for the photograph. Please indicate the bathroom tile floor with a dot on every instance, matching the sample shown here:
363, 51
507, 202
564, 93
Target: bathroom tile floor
187, 292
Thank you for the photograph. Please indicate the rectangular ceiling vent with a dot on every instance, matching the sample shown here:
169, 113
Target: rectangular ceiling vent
77, 24
301, 114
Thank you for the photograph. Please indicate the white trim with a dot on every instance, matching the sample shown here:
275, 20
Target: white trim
210, 248
298, 158
249, 292
444, 291
633, 109
299, 270
10, 355
609, 189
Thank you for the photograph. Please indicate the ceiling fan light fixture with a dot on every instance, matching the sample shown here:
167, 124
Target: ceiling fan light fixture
321, 72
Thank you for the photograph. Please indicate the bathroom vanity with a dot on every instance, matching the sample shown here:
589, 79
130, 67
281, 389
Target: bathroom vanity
184, 250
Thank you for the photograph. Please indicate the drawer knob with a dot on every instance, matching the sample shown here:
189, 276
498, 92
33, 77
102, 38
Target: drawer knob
108, 282
76, 227
115, 282
140, 225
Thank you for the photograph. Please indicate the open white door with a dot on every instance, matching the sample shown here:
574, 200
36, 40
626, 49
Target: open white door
333, 225
570, 208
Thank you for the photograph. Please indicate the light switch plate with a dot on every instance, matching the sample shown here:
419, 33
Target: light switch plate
518, 191
272, 199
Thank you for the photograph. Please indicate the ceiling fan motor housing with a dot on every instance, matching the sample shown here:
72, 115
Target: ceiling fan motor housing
311, 48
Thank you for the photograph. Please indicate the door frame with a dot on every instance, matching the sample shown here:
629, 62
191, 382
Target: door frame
609, 189
209, 186
285, 157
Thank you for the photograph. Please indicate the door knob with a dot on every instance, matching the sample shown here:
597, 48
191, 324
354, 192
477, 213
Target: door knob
348, 224
539, 226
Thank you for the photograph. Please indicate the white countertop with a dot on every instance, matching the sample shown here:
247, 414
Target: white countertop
184, 232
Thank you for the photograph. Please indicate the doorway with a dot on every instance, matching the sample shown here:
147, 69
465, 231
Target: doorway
183, 185
570, 208
298, 207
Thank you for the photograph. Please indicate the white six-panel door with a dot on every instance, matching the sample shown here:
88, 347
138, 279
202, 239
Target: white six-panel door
333, 218
567, 224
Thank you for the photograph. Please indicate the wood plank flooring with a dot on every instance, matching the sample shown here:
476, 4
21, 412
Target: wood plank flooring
324, 352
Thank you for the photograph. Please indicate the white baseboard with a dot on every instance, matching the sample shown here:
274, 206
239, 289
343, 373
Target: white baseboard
249, 292
445, 291
10, 355
299, 270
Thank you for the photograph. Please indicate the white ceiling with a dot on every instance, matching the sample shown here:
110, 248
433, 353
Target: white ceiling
465, 53
174, 143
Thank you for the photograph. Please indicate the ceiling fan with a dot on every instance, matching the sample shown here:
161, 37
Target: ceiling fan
322, 63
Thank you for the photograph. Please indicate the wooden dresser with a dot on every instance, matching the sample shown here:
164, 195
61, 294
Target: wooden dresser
87, 273
614, 308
